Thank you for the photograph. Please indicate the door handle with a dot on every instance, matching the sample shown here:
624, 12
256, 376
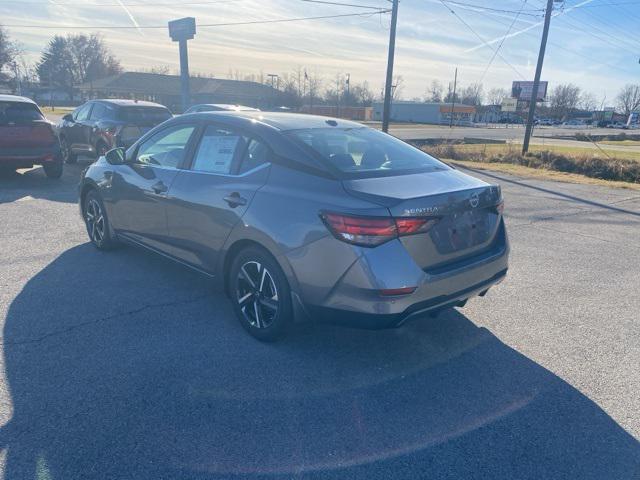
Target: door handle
159, 187
235, 200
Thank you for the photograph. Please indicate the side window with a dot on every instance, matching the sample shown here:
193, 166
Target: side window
256, 154
166, 148
219, 149
99, 112
83, 112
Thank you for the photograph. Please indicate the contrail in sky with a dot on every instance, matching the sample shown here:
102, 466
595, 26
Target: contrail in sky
530, 27
133, 20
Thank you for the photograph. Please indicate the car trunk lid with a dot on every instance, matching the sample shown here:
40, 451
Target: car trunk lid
465, 207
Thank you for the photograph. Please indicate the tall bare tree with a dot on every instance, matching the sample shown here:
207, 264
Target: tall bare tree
629, 99
75, 59
496, 95
472, 94
8, 53
434, 92
588, 101
564, 99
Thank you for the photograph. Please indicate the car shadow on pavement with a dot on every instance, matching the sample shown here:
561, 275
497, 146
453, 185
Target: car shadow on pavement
16, 185
121, 365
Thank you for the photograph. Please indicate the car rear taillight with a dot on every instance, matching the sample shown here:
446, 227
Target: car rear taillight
374, 231
500, 207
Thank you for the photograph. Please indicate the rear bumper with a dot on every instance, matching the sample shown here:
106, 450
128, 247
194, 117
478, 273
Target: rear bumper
28, 157
355, 299
381, 321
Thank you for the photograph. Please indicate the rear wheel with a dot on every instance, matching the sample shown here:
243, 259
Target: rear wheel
53, 169
97, 222
260, 294
67, 154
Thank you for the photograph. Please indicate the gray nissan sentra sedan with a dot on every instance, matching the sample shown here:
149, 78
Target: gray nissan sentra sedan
302, 217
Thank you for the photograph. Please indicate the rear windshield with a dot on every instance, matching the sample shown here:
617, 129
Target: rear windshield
17, 112
361, 152
144, 115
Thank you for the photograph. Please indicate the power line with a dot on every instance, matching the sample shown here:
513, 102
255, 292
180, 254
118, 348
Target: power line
533, 12
597, 5
172, 4
480, 38
561, 47
515, 19
201, 25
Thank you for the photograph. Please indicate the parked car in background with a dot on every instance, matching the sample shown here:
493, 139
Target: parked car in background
219, 107
617, 125
27, 138
302, 216
547, 122
100, 125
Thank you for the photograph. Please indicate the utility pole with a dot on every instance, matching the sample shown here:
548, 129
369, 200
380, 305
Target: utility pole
386, 113
536, 80
453, 99
348, 82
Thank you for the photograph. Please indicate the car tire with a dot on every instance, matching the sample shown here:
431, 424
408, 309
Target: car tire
260, 294
97, 222
53, 169
67, 154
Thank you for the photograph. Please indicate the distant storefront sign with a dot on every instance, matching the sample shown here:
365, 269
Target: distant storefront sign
524, 91
509, 105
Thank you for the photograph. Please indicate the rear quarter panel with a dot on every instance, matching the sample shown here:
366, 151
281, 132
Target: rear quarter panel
284, 217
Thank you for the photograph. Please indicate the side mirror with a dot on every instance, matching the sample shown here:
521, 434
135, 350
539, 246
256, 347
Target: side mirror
116, 156
68, 118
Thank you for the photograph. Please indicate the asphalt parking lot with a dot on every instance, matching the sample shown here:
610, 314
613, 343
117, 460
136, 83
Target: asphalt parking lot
124, 365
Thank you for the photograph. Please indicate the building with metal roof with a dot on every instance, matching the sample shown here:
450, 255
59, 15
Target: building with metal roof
165, 89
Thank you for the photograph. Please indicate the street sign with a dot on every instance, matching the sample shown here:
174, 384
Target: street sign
509, 105
182, 29
524, 91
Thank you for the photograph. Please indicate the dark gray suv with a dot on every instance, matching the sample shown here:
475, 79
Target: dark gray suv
300, 216
97, 126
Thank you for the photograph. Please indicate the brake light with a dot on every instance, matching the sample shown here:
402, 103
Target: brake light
500, 207
374, 231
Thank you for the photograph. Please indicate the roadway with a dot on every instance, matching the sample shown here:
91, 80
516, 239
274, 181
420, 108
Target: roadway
124, 365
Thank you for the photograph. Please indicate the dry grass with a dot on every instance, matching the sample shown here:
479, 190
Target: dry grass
543, 174
559, 159
497, 149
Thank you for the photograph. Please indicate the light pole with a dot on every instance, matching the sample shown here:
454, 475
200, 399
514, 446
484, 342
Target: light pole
181, 31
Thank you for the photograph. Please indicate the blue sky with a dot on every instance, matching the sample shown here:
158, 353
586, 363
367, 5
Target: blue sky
593, 43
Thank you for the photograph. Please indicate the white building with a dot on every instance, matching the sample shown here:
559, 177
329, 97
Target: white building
420, 112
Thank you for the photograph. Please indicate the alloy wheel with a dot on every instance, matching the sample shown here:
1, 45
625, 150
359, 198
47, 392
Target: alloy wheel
257, 294
95, 220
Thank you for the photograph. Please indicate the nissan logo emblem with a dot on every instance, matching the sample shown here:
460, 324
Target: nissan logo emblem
474, 200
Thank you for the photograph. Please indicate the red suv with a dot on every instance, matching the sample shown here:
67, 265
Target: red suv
26, 137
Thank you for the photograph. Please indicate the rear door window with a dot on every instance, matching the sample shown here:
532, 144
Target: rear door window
219, 150
18, 112
257, 153
101, 112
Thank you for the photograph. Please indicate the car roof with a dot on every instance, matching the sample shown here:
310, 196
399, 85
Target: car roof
228, 106
16, 98
123, 102
283, 121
